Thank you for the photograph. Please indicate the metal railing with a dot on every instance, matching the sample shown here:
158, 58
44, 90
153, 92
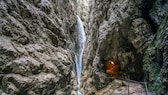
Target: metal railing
126, 77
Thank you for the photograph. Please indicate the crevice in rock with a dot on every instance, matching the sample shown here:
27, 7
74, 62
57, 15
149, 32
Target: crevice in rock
158, 58
145, 8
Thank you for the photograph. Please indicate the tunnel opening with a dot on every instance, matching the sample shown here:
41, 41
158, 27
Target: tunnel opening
133, 70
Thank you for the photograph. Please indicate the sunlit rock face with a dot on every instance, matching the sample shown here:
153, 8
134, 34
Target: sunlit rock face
83, 9
117, 30
34, 59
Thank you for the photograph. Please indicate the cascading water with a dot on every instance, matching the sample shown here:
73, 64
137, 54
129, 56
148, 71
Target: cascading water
80, 44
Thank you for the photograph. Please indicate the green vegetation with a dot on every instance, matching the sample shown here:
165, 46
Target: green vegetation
149, 65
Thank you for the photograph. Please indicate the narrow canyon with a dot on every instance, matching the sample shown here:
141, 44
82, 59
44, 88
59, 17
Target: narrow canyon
83, 47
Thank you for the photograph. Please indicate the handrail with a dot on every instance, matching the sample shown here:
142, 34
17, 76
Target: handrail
127, 78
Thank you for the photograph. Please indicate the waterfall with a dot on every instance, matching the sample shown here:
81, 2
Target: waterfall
80, 44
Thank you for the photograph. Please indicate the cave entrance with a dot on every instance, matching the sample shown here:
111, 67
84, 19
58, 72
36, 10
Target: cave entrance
113, 69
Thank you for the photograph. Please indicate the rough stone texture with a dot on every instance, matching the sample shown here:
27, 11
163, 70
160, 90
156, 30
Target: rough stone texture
159, 14
34, 59
120, 87
153, 59
158, 11
83, 9
164, 70
116, 30
37, 39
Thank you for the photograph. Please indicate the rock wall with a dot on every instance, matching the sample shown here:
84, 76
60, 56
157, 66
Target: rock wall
155, 58
164, 71
37, 41
120, 30
34, 46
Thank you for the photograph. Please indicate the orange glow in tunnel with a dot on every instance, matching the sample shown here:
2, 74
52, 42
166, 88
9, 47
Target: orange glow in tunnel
112, 68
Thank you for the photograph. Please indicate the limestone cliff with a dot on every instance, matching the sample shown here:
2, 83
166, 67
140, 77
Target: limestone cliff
122, 30
34, 59
116, 30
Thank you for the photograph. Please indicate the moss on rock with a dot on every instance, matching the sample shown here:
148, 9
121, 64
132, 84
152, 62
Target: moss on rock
150, 64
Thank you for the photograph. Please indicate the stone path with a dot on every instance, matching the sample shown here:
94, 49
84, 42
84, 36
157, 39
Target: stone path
122, 87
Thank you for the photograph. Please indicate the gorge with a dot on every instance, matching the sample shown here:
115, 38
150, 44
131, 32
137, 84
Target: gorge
83, 47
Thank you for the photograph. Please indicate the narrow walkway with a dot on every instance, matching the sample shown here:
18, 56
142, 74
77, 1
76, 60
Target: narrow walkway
125, 87
121, 87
